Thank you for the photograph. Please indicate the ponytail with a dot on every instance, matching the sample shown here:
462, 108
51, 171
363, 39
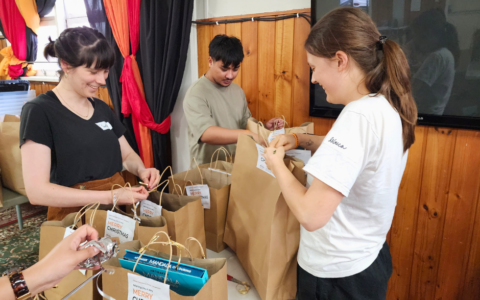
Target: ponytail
49, 50
81, 46
387, 72
391, 78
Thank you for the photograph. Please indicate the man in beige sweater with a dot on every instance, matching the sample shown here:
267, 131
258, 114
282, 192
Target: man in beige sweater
216, 108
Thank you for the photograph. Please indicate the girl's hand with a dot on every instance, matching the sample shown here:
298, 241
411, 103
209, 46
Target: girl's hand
63, 259
127, 196
274, 157
150, 176
287, 141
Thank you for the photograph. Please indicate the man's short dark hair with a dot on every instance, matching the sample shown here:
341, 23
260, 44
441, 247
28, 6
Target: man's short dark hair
228, 49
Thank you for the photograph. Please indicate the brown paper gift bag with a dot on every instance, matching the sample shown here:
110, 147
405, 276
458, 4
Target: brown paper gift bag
215, 288
51, 233
144, 231
184, 216
260, 227
10, 156
256, 127
216, 176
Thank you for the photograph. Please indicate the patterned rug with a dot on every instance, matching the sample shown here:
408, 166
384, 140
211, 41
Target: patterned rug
19, 248
9, 215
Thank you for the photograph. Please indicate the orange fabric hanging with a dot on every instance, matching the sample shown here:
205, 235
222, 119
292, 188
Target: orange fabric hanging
117, 15
28, 10
116, 11
9, 60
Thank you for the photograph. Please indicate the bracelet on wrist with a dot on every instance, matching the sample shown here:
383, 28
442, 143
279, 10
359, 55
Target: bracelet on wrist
297, 143
19, 286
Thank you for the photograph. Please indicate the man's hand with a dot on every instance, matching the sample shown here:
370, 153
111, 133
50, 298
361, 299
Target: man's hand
274, 124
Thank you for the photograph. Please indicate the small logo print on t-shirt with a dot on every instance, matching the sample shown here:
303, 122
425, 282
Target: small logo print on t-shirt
336, 143
104, 125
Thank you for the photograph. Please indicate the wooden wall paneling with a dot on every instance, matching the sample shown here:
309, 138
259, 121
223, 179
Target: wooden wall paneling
436, 175
459, 216
250, 65
402, 234
283, 68
235, 29
265, 14
36, 87
204, 36
322, 125
266, 68
218, 29
471, 289
301, 75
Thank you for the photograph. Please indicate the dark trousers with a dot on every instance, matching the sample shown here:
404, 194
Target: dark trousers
370, 284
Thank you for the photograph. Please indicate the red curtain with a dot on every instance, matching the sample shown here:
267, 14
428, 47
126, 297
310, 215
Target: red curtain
117, 14
15, 32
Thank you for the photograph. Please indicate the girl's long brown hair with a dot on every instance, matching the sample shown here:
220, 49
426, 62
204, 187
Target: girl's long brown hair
385, 66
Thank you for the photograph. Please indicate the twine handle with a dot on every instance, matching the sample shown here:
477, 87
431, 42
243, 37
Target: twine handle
152, 242
194, 239
87, 208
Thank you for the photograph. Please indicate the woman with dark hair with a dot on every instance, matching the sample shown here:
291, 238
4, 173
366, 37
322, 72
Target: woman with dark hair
435, 42
72, 144
356, 169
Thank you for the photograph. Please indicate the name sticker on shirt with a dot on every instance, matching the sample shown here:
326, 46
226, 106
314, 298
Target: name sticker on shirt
104, 125
261, 160
202, 191
274, 134
150, 209
140, 287
120, 226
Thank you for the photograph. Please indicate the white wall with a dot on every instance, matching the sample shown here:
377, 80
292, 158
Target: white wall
212, 9
222, 8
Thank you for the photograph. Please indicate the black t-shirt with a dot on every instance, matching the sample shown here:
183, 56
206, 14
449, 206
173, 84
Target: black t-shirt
82, 150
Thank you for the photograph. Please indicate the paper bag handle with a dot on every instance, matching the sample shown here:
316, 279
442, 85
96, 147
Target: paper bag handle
87, 208
152, 242
258, 132
200, 172
194, 239
225, 152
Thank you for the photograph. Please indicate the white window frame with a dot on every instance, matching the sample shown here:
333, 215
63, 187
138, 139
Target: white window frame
62, 22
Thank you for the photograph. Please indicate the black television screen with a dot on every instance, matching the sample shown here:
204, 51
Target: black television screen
441, 39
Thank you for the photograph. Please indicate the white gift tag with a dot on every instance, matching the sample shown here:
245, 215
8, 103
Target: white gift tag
149, 209
261, 160
143, 288
119, 226
304, 155
69, 231
202, 191
274, 134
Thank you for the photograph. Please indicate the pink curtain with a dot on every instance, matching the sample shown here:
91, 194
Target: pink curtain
15, 31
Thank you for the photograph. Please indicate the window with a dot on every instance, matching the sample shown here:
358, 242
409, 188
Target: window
65, 14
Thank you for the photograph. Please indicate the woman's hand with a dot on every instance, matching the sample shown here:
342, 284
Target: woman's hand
274, 157
150, 176
287, 141
129, 196
63, 259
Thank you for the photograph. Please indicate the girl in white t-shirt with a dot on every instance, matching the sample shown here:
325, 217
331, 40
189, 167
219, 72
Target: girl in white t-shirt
357, 167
